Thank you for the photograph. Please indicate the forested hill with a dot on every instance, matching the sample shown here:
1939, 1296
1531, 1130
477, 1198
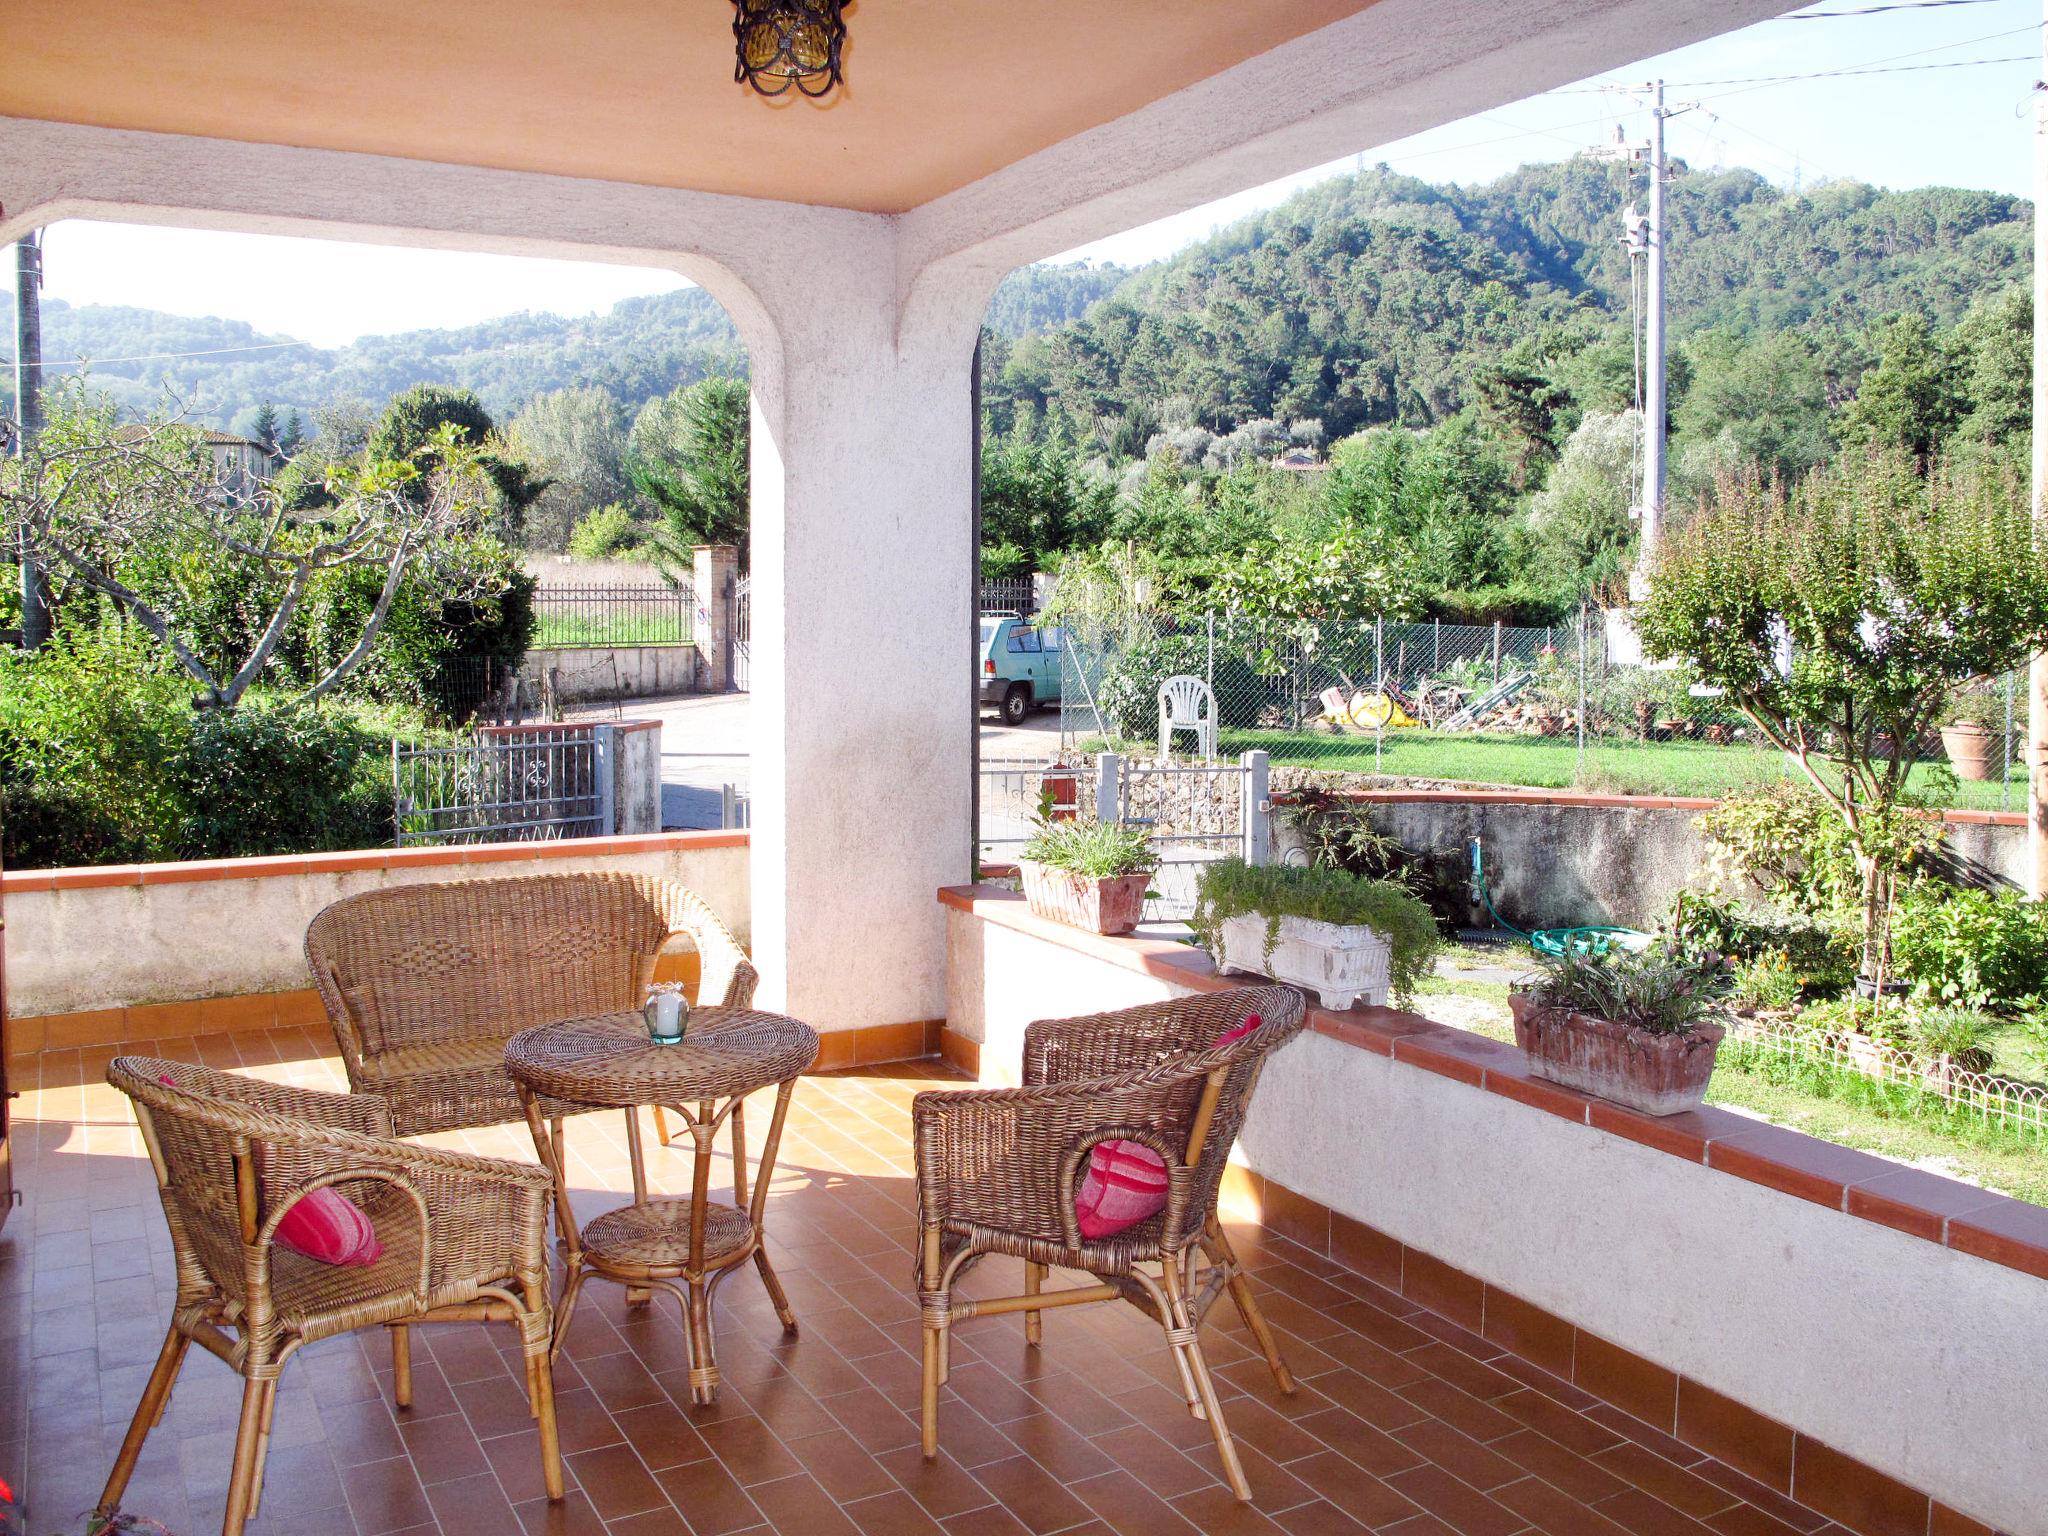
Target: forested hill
641, 348
1360, 300
1382, 298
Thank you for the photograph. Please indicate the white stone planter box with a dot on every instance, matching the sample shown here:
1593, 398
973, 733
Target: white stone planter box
1340, 963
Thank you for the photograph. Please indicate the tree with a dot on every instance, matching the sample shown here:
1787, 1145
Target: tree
293, 435
576, 439
1580, 520
416, 424
688, 455
264, 428
1035, 503
1839, 617
1911, 399
1767, 394
1996, 346
90, 495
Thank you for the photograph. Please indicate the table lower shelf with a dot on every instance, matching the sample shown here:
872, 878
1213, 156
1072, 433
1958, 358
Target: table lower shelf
653, 1237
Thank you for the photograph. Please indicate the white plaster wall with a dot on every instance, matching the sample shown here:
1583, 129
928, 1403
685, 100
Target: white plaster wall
1926, 1363
606, 672
121, 946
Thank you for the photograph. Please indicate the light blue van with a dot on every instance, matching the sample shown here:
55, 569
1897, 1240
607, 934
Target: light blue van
1020, 666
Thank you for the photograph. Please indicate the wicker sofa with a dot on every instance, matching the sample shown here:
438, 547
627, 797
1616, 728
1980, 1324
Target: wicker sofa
424, 984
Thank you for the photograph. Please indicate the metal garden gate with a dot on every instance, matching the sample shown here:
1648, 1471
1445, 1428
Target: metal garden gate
743, 634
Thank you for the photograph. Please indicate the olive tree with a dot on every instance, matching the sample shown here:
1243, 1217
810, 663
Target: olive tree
95, 500
1839, 615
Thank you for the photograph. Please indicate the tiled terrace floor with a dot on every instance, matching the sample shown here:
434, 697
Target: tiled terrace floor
1404, 1422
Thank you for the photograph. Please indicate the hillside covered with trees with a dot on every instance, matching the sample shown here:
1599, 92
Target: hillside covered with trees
1377, 374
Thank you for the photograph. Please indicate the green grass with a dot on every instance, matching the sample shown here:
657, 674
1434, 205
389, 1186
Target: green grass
565, 631
1831, 1103
1693, 768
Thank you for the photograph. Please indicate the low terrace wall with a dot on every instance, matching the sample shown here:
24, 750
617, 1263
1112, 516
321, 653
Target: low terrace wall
152, 951
597, 674
1857, 1335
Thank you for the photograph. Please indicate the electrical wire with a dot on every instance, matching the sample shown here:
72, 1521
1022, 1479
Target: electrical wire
159, 357
1837, 74
1875, 10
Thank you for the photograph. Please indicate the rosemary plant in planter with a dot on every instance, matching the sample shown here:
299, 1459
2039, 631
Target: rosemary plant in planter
1092, 874
1342, 937
1640, 1029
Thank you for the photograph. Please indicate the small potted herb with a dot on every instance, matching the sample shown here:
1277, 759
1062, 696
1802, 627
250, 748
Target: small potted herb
1091, 874
1640, 1029
1340, 936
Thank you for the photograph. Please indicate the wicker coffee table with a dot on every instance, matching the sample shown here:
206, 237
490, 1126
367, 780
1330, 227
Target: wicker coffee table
685, 1247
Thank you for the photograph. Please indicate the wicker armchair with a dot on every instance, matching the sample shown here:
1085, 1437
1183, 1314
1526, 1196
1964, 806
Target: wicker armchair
424, 984
997, 1171
464, 1238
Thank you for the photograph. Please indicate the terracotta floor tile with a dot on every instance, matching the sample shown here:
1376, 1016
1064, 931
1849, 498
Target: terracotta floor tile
1405, 1422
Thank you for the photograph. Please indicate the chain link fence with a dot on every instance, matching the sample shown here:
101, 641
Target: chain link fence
1556, 706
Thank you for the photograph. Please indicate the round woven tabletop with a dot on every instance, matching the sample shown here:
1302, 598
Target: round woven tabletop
654, 1237
609, 1062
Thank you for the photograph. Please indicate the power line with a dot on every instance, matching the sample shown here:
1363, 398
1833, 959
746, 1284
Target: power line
1874, 10
159, 357
1836, 74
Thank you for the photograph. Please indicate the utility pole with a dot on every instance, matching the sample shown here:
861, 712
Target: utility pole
1653, 355
2037, 671
1643, 234
28, 419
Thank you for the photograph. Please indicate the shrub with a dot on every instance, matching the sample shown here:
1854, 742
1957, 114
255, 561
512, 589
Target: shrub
1232, 888
1969, 947
605, 533
1767, 981
104, 760
1961, 1034
1340, 833
1792, 845
1129, 695
257, 781
1819, 957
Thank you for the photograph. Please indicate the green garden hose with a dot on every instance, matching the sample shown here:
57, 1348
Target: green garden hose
1592, 939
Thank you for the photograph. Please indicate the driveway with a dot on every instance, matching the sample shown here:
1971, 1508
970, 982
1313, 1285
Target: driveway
706, 740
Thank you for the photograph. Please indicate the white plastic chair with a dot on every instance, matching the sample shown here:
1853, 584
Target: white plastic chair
1187, 704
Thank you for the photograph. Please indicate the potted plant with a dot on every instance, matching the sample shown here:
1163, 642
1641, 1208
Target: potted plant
1340, 936
1091, 874
1974, 736
1635, 1028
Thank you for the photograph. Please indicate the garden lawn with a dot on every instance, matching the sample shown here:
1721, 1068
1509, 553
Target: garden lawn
1692, 768
1839, 1106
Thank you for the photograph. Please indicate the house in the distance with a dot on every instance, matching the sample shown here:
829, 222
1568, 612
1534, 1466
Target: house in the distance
242, 463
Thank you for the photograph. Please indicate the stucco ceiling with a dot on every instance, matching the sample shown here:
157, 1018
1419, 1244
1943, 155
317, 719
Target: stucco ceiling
938, 92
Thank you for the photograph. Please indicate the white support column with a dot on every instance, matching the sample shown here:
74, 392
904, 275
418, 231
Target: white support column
862, 532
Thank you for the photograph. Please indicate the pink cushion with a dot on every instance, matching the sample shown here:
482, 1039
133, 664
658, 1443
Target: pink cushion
1126, 1180
1251, 1022
328, 1226
1124, 1184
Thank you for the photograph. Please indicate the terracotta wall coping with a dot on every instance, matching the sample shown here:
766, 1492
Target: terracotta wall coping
1572, 799
21, 881
1925, 1205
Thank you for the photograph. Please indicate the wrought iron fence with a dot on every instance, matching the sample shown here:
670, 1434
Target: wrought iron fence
505, 784
1009, 594
1556, 706
572, 616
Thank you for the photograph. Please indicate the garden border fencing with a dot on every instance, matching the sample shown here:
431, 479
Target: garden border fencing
2021, 1106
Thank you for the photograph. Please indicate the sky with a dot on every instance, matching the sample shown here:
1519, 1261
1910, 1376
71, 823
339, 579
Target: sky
1909, 125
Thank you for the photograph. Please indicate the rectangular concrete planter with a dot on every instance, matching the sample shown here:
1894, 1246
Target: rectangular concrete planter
1341, 963
1100, 904
1657, 1074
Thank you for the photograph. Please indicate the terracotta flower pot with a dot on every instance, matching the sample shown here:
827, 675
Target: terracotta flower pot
1972, 750
1657, 1074
1100, 904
